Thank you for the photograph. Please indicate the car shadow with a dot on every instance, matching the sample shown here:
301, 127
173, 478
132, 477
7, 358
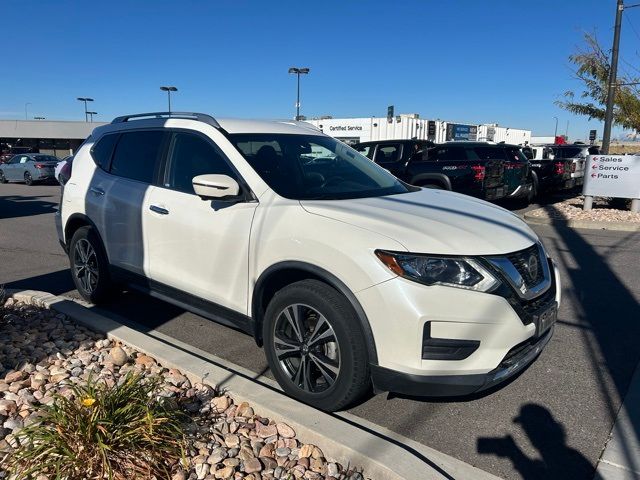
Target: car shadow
14, 206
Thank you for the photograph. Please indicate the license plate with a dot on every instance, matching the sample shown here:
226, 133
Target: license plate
546, 319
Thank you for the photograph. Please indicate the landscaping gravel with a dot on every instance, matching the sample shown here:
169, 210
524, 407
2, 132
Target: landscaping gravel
42, 353
604, 210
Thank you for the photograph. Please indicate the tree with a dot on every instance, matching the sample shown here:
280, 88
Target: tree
593, 70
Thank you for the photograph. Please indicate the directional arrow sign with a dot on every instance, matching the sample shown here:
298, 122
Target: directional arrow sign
613, 176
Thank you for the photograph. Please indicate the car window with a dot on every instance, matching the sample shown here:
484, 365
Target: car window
103, 149
515, 154
594, 150
137, 155
25, 159
448, 154
15, 159
387, 153
315, 167
366, 150
489, 153
192, 155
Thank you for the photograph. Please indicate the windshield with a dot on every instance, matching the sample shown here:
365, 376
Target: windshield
306, 167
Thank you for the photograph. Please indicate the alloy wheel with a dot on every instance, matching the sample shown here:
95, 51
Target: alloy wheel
27, 178
85, 264
307, 348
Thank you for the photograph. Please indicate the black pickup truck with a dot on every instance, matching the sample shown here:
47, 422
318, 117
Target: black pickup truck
549, 173
463, 167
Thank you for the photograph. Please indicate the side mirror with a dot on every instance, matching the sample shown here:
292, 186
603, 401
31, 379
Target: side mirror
216, 187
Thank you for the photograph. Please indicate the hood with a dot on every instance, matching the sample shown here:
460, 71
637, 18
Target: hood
433, 221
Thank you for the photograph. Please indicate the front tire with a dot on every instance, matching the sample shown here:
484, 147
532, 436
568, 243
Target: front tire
89, 266
315, 347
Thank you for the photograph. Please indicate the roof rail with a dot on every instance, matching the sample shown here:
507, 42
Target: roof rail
200, 117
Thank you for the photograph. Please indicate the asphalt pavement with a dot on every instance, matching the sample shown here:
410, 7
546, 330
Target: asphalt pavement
552, 421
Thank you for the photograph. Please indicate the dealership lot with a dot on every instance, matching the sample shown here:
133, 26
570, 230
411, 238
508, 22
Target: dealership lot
551, 421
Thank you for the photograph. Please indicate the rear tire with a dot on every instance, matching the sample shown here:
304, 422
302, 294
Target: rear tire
2, 177
28, 179
315, 347
89, 266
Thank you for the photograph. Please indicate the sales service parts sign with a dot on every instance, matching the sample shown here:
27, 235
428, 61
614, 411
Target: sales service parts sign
612, 176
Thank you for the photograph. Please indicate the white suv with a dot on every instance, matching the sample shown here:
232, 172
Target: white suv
350, 278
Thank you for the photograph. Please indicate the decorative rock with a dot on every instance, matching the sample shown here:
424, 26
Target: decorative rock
266, 451
231, 462
332, 470
283, 452
14, 424
220, 403
145, 361
202, 469
317, 453
265, 431
16, 376
118, 357
268, 463
306, 451
252, 465
231, 440
179, 475
217, 455
7, 407
225, 472
285, 430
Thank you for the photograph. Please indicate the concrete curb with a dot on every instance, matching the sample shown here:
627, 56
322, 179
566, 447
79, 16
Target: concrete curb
344, 438
589, 224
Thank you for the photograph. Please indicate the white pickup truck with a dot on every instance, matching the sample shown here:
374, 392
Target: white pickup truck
576, 152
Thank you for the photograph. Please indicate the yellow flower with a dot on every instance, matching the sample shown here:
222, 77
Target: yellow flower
88, 402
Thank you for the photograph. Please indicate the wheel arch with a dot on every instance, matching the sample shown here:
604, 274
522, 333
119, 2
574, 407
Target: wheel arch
76, 221
432, 178
281, 274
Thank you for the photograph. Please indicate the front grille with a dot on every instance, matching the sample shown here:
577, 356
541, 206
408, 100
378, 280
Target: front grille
523, 263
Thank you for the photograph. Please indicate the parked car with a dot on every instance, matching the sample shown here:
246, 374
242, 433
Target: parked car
9, 152
548, 173
450, 166
28, 168
63, 170
349, 277
577, 153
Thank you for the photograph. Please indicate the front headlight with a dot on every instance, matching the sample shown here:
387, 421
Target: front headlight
461, 272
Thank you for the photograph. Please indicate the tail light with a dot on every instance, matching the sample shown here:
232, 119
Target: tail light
478, 172
559, 168
65, 173
39, 165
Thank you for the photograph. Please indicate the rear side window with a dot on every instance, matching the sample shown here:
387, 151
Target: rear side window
387, 153
489, 153
192, 155
137, 155
448, 154
102, 151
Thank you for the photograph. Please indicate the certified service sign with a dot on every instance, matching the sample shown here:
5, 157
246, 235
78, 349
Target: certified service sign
612, 176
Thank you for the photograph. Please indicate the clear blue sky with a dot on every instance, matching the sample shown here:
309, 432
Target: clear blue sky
471, 61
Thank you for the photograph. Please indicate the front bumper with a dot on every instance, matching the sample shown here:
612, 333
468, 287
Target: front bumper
502, 325
523, 355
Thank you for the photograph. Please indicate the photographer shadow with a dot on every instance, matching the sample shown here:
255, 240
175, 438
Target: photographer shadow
556, 459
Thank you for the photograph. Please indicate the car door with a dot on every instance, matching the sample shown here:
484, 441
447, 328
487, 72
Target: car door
128, 165
198, 246
16, 170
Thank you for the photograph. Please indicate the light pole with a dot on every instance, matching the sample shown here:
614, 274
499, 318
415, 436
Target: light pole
91, 116
555, 132
85, 100
169, 90
26, 117
298, 71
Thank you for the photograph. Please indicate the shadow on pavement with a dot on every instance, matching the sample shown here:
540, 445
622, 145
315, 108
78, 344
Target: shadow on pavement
556, 461
13, 206
56, 283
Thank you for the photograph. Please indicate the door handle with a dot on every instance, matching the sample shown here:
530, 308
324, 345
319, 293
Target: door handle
97, 191
157, 209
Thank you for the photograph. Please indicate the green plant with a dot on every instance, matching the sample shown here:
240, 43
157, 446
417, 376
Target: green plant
122, 432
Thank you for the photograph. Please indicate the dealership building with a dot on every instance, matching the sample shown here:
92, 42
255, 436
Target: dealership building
407, 126
59, 138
